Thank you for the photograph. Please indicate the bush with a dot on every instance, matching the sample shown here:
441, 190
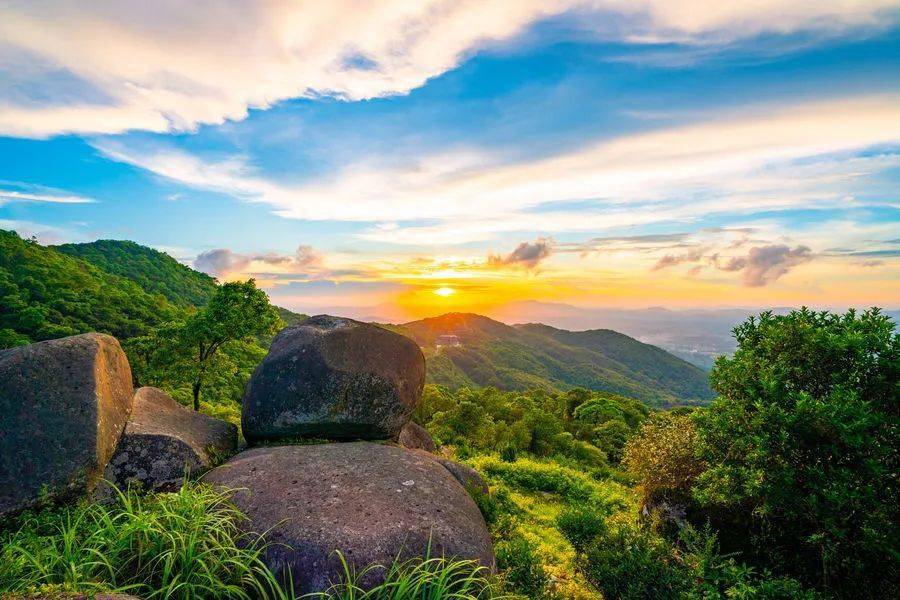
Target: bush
631, 563
802, 448
179, 545
582, 524
663, 455
521, 568
534, 476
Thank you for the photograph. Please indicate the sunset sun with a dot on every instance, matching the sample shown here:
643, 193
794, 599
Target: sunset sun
444, 292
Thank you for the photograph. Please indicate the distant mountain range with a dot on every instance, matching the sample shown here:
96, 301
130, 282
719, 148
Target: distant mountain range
465, 349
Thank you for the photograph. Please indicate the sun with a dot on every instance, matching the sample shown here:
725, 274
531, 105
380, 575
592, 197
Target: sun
443, 292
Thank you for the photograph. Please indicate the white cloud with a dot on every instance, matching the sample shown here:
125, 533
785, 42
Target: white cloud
222, 262
7, 196
763, 158
170, 65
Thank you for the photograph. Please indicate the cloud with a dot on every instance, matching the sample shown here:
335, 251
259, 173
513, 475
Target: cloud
526, 254
870, 263
222, 262
765, 158
104, 67
7, 196
670, 260
764, 264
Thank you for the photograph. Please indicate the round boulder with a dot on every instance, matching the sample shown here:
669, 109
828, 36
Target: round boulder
63, 406
414, 436
333, 378
164, 442
372, 502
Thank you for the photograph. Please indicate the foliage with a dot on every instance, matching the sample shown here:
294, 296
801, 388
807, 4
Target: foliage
663, 455
426, 578
154, 271
188, 352
581, 524
178, 545
522, 568
803, 448
492, 354
45, 294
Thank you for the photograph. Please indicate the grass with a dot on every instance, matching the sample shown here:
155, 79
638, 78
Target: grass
178, 545
415, 579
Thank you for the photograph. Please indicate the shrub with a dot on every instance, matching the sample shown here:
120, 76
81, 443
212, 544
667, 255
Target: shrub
521, 567
179, 545
631, 563
534, 476
802, 448
663, 455
581, 524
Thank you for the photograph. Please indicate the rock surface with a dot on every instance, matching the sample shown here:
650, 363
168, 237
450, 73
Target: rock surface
373, 502
163, 442
333, 378
468, 477
64, 403
414, 436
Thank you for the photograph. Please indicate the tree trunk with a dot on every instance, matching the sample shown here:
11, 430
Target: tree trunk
197, 395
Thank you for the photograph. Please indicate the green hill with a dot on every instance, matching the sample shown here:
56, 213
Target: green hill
46, 294
156, 272
538, 356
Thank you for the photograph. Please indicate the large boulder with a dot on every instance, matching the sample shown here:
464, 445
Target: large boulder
63, 406
334, 378
164, 442
468, 477
373, 502
416, 437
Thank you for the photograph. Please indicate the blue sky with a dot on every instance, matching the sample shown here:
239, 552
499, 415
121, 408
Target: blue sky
358, 155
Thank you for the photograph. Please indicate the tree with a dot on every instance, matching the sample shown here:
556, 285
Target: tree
190, 352
803, 444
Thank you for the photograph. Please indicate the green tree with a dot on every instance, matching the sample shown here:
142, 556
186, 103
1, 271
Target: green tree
803, 447
203, 348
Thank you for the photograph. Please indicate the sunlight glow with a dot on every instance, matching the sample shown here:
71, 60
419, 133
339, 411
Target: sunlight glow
444, 291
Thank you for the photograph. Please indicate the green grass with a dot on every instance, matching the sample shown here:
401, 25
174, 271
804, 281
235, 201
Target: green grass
178, 545
416, 579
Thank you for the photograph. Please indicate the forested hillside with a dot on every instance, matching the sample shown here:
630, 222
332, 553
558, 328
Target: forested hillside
491, 353
46, 294
156, 272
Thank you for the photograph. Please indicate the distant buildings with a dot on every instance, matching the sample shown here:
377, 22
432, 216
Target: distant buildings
447, 340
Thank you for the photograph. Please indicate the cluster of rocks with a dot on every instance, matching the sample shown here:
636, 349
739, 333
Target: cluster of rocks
335, 462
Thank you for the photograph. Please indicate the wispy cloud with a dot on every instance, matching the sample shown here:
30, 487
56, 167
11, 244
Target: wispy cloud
119, 74
768, 158
222, 262
765, 264
526, 254
7, 196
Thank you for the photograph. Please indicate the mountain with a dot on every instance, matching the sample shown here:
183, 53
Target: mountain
47, 294
156, 272
471, 350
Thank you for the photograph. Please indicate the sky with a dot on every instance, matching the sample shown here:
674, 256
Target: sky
398, 159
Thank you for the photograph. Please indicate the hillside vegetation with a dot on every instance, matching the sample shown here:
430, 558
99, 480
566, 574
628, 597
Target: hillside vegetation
537, 356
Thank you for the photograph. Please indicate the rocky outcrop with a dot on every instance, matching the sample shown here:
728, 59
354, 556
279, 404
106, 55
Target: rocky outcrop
164, 442
468, 477
64, 403
373, 502
333, 378
416, 437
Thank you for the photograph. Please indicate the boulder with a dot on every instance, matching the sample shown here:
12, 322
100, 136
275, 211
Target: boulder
333, 378
468, 477
164, 442
414, 436
64, 403
373, 502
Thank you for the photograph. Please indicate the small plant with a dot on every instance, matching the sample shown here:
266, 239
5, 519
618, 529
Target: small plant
177, 545
582, 524
521, 567
414, 579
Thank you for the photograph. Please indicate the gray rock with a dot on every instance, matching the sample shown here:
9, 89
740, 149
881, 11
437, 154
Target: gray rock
414, 436
373, 502
164, 442
64, 404
333, 378
468, 477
